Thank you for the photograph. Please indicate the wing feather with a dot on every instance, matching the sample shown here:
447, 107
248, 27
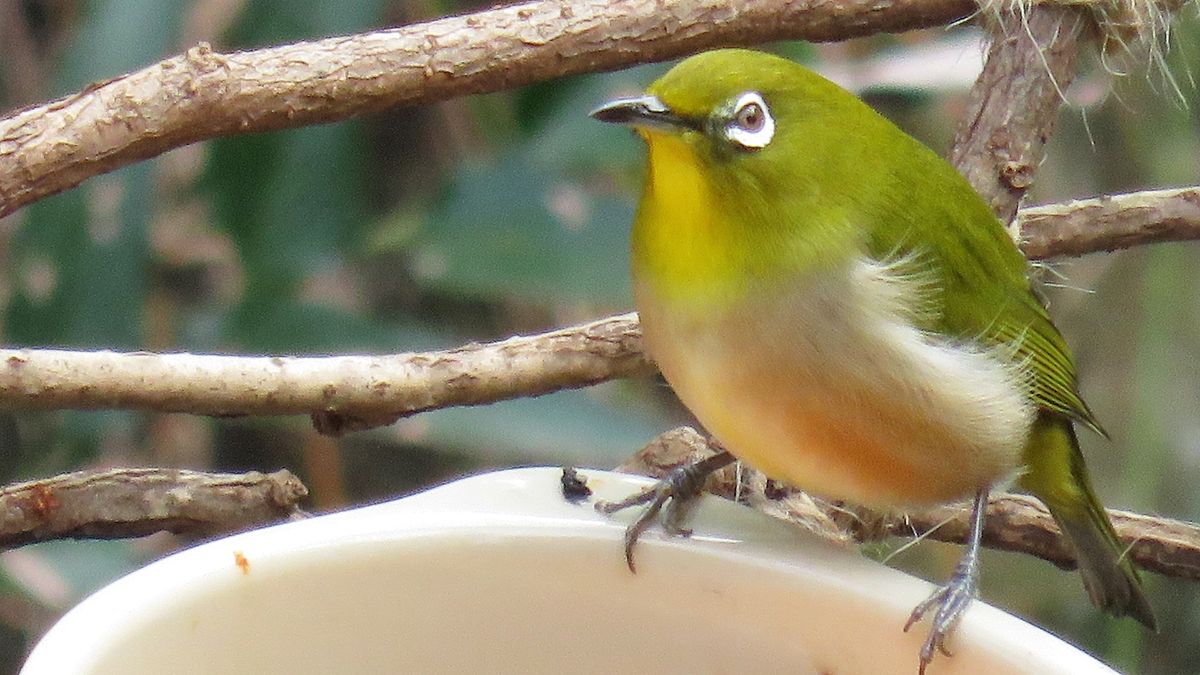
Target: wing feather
983, 289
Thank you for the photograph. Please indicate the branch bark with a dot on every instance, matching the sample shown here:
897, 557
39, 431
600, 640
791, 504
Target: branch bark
1110, 223
203, 94
123, 503
1013, 107
1014, 523
343, 392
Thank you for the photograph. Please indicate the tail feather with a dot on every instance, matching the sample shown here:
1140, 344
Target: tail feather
1110, 579
1056, 474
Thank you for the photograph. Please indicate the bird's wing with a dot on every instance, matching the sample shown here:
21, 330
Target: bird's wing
1024, 326
983, 291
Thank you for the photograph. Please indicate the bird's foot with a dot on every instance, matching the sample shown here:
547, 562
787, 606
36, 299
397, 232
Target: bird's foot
951, 601
671, 496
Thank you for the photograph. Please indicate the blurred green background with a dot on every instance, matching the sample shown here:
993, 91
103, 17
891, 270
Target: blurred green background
479, 218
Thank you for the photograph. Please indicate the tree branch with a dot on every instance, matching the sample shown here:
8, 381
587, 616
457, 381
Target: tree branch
202, 94
1110, 223
346, 392
1014, 523
1014, 103
122, 503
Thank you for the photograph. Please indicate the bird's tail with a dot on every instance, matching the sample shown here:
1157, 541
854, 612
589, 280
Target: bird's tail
1056, 475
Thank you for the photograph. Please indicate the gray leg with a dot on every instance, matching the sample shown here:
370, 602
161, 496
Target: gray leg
953, 598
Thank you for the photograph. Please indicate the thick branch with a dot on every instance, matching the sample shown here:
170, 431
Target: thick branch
121, 503
348, 391
354, 392
1015, 522
203, 94
1014, 103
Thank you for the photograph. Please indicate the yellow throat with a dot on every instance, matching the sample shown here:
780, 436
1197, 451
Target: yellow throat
680, 237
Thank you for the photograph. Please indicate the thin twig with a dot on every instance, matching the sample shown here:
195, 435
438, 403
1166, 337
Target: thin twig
1021, 524
121, 503
1110, 223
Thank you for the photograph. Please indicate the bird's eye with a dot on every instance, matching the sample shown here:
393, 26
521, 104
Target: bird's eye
751, 126
751, 118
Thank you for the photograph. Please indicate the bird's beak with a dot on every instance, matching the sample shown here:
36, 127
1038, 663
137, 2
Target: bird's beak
640, 111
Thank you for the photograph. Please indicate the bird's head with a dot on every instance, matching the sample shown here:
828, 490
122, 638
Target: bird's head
742, 117
753, 160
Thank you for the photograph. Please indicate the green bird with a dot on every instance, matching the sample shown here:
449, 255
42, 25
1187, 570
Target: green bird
841, 310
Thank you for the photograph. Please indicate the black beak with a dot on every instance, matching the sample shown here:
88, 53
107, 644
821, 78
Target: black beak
640, 111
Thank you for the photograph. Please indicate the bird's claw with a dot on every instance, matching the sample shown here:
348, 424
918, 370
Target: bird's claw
951, 601
671, 496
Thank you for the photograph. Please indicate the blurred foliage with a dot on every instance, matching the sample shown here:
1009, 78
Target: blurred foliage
480, 218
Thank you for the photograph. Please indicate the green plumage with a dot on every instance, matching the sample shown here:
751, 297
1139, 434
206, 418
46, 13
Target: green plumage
982, 285
1058, 476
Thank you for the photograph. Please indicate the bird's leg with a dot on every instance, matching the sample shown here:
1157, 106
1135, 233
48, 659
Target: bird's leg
953, 599
671, 495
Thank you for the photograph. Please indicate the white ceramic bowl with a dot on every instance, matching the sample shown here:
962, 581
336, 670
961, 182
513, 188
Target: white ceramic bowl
498, 574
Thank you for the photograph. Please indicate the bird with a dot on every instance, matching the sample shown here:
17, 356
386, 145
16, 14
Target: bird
841, 310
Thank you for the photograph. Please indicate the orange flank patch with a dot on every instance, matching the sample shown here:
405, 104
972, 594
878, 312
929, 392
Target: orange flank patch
876, 462
835, 439
242, 563
861, 457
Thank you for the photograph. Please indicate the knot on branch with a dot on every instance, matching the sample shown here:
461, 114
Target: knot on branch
203, 59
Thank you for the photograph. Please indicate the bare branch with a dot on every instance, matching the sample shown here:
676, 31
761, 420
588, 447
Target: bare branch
1015, 522
348, 392
1014, 104
1110, 223
1021, 524
121, 503
345, 393
203, 94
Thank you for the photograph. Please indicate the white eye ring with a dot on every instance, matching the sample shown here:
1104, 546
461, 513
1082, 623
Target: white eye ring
751, 125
